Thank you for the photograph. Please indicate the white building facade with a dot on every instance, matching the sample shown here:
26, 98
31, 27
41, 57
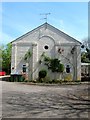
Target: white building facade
54, 44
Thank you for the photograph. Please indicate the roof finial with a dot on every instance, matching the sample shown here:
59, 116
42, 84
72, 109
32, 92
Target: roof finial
46, 15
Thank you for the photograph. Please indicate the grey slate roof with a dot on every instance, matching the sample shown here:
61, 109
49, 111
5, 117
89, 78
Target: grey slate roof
48, 25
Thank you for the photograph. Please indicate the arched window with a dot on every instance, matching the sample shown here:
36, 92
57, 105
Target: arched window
24, 68
68, 69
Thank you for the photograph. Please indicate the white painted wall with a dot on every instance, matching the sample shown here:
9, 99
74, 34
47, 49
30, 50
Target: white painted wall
45, 35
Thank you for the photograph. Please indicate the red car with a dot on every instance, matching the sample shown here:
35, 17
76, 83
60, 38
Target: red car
2, 73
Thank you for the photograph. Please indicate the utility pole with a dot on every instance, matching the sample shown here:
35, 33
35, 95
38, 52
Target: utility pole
46, 16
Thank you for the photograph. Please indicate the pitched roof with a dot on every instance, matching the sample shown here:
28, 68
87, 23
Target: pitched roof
26, 34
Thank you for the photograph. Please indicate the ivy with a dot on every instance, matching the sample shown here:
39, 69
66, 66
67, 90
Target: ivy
54, 64
27, 55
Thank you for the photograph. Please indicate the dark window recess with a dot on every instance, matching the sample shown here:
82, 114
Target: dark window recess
46, 47
24, 68
68, 69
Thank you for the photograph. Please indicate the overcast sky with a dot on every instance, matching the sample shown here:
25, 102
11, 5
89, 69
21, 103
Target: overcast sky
21, 17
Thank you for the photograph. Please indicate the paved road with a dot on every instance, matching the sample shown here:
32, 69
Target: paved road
31, 101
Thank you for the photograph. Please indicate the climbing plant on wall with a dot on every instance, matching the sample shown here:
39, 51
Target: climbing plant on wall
54, 64
27, 57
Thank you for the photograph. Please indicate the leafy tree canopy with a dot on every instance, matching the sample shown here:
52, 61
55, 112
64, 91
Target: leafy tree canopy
5, 58
85, 55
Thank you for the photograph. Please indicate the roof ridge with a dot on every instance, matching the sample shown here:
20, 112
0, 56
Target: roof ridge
41, 26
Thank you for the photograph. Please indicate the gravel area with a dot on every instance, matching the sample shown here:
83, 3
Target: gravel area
33, 101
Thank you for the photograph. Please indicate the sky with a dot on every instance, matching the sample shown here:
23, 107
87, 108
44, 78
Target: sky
19, 18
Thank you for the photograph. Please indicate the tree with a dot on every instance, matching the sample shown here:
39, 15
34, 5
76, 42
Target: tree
1, 48
85, 55
88, 53
5, 57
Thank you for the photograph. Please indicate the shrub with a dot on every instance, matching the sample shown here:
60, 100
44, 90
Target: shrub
55, 81
50, 81
42, 74
46, 79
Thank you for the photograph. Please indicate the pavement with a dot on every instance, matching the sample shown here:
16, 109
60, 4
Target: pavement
33, 101
4, 78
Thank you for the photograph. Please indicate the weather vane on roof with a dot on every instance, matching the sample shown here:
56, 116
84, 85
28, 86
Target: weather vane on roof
46, 15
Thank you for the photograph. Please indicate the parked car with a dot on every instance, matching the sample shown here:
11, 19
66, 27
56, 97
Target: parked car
2, 73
